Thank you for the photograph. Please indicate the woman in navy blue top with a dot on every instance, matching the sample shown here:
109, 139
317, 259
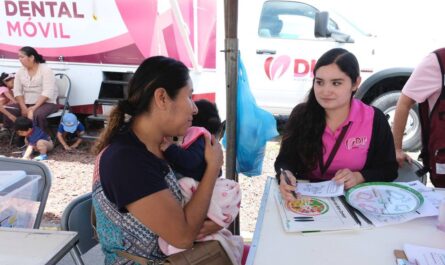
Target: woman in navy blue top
135, 192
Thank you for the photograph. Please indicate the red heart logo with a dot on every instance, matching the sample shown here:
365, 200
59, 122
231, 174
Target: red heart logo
276, 67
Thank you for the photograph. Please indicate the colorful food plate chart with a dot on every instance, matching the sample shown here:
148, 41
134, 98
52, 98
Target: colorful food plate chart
314, 214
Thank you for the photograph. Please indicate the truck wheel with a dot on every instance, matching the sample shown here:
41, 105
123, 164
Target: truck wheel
411, 137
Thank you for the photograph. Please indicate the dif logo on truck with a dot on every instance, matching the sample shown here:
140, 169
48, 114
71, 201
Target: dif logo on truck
276, 67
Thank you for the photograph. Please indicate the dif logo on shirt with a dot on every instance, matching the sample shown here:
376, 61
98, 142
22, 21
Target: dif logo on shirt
356, 142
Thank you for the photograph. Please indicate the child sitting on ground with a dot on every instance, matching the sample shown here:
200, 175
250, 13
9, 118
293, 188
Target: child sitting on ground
6, 96
189, 163
70, 131
35, 139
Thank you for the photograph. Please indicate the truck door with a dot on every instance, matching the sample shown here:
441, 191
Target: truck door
281, 55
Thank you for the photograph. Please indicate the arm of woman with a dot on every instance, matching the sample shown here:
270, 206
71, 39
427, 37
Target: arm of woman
23, 107
189, 158
284, 162
180, 226
18, 92
381, 163
208, 227
33, 108
39, 102
48, 85
348, 178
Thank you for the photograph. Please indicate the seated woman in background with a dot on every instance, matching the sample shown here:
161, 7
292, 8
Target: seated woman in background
34, 88
334, 136
136, 195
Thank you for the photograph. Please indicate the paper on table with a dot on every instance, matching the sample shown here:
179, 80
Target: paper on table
417, 185
312, 214
430, 207
320, 189
424, 255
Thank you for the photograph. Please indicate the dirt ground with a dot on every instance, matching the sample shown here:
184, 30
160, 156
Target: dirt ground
73, 171
72, 174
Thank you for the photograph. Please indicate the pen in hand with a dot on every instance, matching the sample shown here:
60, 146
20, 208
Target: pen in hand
286, 178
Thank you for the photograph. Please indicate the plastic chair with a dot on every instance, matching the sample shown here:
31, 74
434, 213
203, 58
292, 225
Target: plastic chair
410, 172
63, 84
77, 217
32, 168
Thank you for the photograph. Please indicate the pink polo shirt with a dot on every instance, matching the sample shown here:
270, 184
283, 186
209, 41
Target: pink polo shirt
353, 150
425, 81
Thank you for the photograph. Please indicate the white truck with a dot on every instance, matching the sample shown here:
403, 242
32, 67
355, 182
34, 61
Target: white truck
99, 44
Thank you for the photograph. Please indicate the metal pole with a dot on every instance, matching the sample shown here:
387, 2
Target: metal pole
231, 49
231, 105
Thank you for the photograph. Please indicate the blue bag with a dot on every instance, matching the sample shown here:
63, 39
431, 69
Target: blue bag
255, 127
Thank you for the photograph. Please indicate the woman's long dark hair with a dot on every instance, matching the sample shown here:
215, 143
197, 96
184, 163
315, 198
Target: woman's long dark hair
302, 147
30, 51
155, 72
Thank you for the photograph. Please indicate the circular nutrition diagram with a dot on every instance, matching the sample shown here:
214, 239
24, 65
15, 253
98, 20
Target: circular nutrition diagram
308, 206
384, 198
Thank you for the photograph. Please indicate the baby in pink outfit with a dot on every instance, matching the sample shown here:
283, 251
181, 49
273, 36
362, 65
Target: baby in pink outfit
189, 163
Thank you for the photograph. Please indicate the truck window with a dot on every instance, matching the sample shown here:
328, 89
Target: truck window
288, 20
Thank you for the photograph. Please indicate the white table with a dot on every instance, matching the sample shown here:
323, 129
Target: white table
272, 245
33, 246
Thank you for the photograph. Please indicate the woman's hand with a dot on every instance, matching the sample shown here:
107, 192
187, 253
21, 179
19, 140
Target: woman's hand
348, 178
402, 157
213, 154
31, 112
286, 189
24, 111
208, 227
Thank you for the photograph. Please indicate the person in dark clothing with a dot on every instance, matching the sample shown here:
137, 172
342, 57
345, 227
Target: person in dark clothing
334, 136
188, 159
136, 196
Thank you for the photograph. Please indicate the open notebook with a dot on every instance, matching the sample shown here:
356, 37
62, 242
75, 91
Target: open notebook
314, 214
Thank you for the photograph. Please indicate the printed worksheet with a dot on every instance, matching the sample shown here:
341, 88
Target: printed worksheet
320, 189
424, 255
314, 214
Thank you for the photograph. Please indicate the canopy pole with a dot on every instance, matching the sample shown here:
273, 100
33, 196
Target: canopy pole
231, 52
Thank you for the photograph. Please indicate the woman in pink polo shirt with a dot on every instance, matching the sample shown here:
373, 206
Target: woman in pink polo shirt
334, 136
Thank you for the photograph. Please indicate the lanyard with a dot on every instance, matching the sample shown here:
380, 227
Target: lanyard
324, 167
